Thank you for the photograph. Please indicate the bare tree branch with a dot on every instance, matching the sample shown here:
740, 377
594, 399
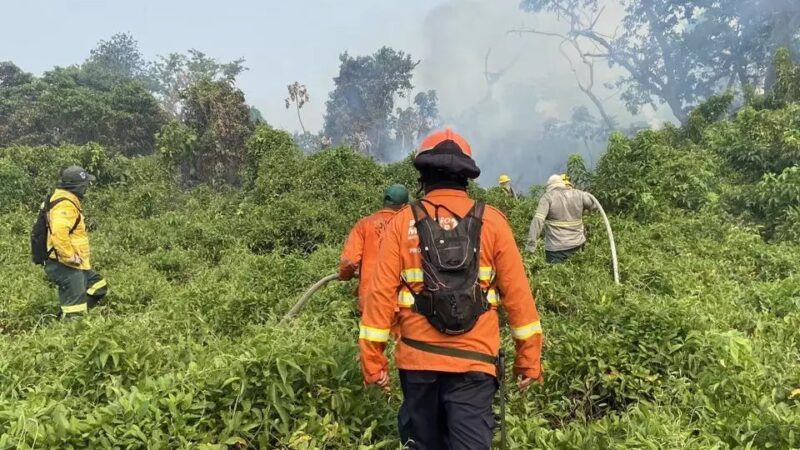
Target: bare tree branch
587, 89
493, 77
520, 31
597, 18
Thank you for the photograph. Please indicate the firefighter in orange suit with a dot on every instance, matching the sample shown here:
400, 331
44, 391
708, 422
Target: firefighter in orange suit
446, 264
361, 248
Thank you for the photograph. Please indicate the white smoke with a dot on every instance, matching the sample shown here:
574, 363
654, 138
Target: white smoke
529, 82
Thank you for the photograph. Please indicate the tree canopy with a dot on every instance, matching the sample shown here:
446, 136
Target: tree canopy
679, 52
76, 105
360, 110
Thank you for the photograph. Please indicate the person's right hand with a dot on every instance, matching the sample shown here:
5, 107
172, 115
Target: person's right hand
75, 259
525, 382
383, 381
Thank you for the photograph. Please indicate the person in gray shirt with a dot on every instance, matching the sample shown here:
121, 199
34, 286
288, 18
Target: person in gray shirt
560, 214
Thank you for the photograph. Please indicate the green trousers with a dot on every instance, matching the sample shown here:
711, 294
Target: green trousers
78, 290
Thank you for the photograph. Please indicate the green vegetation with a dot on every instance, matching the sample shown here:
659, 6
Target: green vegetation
699, 348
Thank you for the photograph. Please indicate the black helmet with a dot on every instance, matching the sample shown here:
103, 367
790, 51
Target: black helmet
74, 176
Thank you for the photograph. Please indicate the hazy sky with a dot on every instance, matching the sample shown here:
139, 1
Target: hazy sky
286, 41
282, 41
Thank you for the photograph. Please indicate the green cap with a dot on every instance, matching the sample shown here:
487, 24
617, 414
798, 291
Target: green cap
75, 176
395, 195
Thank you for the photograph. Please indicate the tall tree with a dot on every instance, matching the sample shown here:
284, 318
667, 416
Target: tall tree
216, 112
427, 105
11, 75
118, 57
298, 95
256, 117
677, 52
172, 75
414, 122
359, 109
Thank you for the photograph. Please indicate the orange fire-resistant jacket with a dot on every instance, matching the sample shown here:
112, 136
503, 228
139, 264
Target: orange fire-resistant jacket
361, 250
502, 276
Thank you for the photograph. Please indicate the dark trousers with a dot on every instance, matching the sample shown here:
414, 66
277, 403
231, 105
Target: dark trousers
446, 411
560, 256
78, 290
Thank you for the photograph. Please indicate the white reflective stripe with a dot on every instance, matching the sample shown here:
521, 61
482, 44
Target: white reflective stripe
96, 287
72, 309
526, 331
540, 216
486, 273
405, 299
493, 297
413, 275
373, 334
564, 223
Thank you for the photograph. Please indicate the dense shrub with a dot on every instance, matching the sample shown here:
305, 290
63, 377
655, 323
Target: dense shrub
304, 201
690, 353
758, 141
647, 175
40, 168
77, 105
699, 348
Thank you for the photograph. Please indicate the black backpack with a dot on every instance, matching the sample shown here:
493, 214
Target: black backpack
39, 251
452, 298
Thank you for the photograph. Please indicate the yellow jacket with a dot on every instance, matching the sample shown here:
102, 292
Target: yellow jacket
61, 219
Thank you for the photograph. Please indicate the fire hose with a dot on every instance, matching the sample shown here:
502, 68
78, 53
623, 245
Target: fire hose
614, 262
307, 296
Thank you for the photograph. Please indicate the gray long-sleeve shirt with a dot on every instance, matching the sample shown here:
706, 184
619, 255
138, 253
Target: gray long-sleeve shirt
560, 214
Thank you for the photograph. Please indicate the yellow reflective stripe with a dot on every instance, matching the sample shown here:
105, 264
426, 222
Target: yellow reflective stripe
540, 216
72, 309
96, 287
486, 273
413, 275
405, 299
526, 331
493, 297
373, 334
564, 223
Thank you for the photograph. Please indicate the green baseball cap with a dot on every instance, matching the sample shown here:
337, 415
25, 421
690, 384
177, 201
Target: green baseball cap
395, 195
75, 176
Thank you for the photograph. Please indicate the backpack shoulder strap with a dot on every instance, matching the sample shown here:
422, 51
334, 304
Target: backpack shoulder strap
478, 210
418, 209
49, 205
77, 222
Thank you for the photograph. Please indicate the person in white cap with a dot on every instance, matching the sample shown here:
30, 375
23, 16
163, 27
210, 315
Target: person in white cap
560, 215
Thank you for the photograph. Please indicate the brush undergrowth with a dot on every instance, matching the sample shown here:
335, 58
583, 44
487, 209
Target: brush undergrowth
698, 349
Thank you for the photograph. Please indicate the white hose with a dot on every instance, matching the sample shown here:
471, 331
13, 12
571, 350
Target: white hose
610, 234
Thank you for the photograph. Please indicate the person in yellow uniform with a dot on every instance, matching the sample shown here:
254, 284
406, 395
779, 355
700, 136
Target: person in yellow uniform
505, 183
69, 256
